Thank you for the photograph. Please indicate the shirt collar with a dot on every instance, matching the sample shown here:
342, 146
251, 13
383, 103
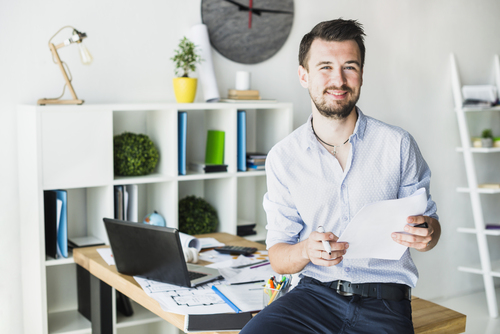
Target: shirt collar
359, 130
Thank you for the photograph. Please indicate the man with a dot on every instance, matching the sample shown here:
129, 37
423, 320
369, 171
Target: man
322, 175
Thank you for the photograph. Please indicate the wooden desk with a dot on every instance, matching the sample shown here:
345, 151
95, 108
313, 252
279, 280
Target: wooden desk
428, 318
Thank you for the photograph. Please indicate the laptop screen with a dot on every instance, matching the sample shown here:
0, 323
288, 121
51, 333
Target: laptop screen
148, 251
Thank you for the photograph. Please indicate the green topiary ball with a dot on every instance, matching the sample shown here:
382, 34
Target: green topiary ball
197, 216
134, 154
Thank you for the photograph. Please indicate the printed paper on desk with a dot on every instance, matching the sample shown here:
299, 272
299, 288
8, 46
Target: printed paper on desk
369, 232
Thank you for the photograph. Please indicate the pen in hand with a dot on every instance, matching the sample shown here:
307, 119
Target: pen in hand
326, 244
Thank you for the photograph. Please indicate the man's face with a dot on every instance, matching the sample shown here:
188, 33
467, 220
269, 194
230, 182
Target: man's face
334, 77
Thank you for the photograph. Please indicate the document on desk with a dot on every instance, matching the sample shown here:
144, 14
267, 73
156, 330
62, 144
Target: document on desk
369, 232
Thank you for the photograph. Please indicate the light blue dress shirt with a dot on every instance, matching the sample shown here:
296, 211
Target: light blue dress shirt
307, 188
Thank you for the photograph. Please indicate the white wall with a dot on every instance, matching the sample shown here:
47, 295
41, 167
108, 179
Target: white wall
407, 83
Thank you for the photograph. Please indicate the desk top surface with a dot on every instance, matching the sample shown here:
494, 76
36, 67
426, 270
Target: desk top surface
428, 317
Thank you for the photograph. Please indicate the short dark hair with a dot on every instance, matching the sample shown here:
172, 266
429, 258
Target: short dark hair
338, 30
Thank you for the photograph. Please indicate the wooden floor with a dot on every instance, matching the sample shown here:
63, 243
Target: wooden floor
429, 317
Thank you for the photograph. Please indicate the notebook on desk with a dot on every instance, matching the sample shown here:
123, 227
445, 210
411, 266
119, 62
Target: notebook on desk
153, 252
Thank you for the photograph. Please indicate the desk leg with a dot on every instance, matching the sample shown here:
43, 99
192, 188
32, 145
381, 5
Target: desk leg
101, 308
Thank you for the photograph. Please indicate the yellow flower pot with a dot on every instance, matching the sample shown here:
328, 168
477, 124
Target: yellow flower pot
185, 89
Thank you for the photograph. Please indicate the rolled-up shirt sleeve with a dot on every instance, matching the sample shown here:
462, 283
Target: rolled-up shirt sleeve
283, 220
415, 174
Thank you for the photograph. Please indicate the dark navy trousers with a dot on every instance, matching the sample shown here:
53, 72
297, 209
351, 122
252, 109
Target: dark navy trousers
314, 308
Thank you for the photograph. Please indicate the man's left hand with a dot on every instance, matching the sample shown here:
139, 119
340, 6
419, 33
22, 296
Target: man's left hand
420, 238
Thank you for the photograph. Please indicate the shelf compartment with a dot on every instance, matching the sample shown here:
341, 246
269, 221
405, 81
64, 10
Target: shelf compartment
198, 124
81, 153
141, 316
160, 125
251, 191
219, 193
86, 208
61, 293
68, 322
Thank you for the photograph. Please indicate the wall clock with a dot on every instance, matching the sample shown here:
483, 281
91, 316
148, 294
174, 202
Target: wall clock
247, 31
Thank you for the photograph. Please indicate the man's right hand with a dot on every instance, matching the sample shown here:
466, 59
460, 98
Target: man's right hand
315, 251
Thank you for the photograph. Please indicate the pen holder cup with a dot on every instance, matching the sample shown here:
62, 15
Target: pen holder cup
270, 295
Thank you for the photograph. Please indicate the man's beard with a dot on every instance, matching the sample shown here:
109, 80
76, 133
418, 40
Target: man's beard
338, 109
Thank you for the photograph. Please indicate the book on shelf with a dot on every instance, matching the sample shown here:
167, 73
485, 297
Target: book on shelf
182, 134
126, 202
242, 140
492, 226
256, 167
214, 152
202, 167
244, 228
256, 161
243, 94
88, 241
256, 155
489, 185
56, 223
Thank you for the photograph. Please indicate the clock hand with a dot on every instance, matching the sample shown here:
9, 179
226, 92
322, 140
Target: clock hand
250, 4
257, 11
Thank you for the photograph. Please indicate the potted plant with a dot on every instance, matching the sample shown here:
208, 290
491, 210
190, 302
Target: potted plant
185, 59
487, 138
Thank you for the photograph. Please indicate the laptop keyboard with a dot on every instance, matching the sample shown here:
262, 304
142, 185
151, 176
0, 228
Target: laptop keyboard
194, 275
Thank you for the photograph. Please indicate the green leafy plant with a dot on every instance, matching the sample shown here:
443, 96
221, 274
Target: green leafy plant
487, 133
197, 216
186, 57
134, 154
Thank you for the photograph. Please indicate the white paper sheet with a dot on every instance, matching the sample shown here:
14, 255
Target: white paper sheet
107, 255
188, 241
199, 36
369, 232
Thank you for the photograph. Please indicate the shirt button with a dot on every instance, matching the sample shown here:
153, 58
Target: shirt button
347, 269
343, 186
345, 218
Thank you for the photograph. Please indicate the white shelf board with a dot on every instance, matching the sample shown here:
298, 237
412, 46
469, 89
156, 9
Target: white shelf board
481, 149
474, 231
476, 269
479, 190
68, 322
151, 178
49, 261
251, 173
141, 316
472, 109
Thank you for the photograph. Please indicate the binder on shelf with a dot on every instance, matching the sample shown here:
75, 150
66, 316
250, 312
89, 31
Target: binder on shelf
181, 141
119, 202
132, 203
56, 223
242, 140
126, 202
214, 153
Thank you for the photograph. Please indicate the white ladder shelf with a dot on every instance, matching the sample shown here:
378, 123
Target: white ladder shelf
485, 268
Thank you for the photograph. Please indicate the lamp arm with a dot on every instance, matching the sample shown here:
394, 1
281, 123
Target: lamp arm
58, 61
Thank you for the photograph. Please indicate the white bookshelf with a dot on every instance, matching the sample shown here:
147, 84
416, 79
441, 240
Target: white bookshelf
71, 148
486, 268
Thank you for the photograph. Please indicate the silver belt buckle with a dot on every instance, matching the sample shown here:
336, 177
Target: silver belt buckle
342, 293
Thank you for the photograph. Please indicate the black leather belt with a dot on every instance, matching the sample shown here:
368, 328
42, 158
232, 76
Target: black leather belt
390, 291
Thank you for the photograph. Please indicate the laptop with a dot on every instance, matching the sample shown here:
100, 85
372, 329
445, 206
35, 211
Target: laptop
154, 252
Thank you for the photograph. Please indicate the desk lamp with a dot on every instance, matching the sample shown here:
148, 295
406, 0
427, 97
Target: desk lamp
85, 56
